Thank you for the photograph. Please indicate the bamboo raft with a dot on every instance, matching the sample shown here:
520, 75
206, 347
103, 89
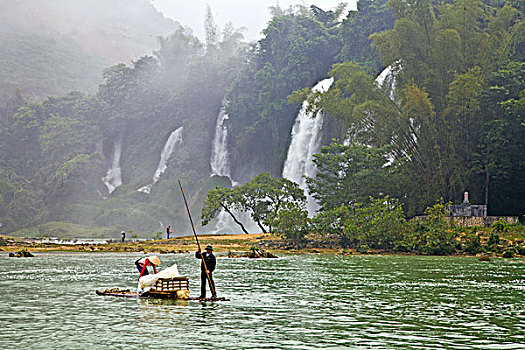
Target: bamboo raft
176, 288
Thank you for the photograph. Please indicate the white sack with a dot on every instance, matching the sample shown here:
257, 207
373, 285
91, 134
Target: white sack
148, 281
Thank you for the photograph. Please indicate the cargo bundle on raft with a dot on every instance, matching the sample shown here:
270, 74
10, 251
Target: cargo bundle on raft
175, 288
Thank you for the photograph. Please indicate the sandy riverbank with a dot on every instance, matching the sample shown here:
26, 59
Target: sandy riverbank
220, 243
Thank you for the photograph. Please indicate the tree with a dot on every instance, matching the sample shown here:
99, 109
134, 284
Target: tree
350, 174
379, 224
434, 232
439, 55
497, 165
293, 223
218, 199
176, 52
372, 16
331, 222
265, 196
62, 138
296, 51
461, 126
369, 114
328, 18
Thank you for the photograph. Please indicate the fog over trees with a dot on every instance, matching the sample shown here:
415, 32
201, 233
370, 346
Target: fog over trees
91, 94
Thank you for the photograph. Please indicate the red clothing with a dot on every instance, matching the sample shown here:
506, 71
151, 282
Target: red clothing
145, 262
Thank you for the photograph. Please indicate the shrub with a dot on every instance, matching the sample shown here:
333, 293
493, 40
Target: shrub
381, 224
363, 249
499, 226
493, 240
472, 243
332, 222
292, 223
435, 235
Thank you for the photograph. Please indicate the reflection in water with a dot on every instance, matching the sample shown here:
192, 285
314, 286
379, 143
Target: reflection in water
294, 302
162, 311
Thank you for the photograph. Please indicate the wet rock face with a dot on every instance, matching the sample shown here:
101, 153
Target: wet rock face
260, 253
284, 244
484, 258
21, 254
253, 254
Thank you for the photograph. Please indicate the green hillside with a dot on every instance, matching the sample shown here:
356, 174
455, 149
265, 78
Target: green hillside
53, 47
453, 123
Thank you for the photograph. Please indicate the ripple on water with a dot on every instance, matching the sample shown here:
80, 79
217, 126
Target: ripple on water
294, 302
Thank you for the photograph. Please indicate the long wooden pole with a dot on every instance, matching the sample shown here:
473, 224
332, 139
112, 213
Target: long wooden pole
197, 239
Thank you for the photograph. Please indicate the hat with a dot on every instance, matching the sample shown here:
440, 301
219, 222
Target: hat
154, 260
209, 247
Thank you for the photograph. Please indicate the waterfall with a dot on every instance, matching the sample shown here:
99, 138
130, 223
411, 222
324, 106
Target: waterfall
113, 178
224, 223
387, 80
306, 140
220, 159
174, 138
220, 165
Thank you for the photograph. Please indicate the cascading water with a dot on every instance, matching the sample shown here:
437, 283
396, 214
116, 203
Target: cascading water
220, 159
220, 165
387, 80
113, 178
174, 138
306, 139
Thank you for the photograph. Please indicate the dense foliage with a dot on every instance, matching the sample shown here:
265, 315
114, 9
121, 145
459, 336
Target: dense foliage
53, 47
454, 121
350, 174
55, 153
297, 50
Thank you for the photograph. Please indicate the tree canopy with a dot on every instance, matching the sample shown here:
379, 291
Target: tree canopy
449, 120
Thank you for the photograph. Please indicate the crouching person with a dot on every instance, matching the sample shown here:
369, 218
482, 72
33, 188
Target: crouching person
142, 264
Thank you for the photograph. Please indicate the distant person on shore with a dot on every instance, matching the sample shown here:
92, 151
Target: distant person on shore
142, 264
211, 262
123, 236
168, 231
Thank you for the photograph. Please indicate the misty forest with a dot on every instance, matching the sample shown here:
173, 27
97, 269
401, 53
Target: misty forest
412, 102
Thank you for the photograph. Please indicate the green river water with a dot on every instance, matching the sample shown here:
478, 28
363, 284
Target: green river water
294, 302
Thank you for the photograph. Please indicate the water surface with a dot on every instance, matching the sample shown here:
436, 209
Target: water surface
294, 302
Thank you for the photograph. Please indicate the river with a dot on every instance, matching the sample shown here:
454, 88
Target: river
294, 302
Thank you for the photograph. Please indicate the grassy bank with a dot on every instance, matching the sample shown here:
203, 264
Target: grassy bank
221, 243
67, 230
245, 242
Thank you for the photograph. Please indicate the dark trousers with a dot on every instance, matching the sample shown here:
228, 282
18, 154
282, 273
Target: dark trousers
204, 279
139, 267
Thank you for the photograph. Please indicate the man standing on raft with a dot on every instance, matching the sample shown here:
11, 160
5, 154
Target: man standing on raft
208, 263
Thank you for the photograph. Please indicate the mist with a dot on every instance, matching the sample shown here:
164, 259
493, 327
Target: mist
157, 75
251, 15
